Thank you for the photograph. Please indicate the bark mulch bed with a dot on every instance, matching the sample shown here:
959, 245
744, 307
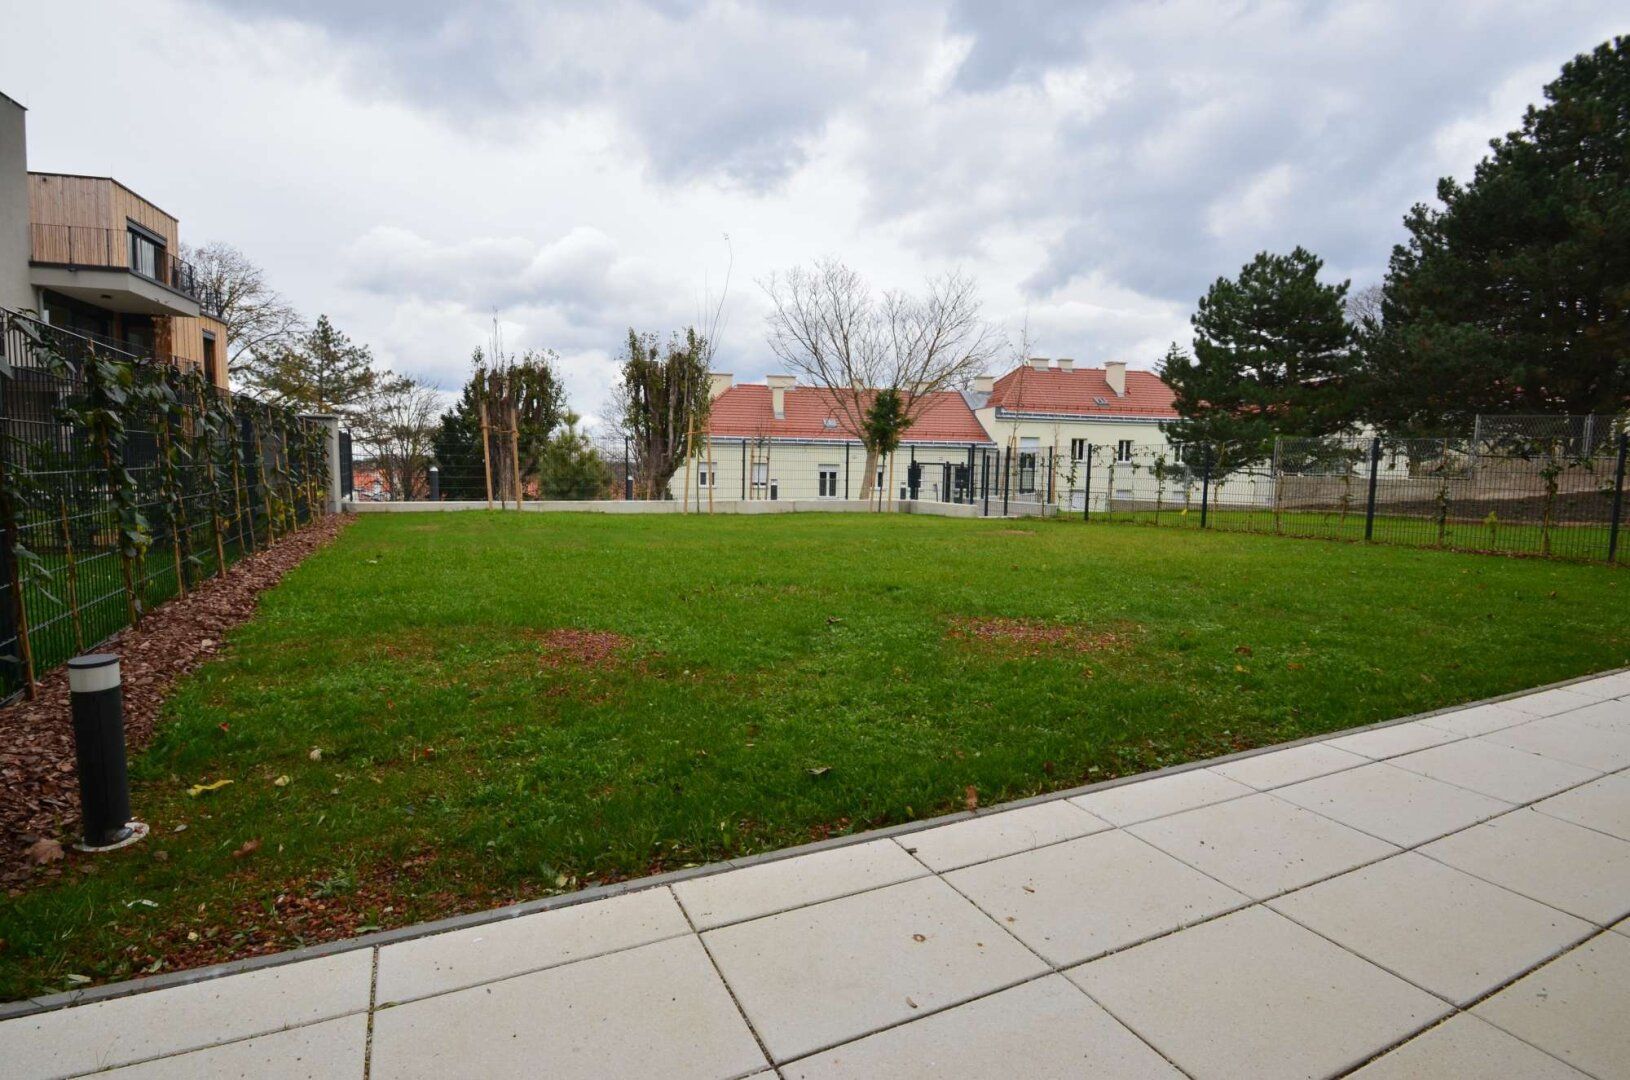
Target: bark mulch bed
39, 786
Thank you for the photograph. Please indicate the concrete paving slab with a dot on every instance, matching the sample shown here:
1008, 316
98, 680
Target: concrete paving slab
1603, 805
1583, 872
1464, 1046
1574, 1007
1478, 720
991, 836
1041, 1030
1281, 767
656, 1010
1568, 740
818, 976
1486, 766
1394, 739
1254, 996
1400, 807
331, 1049
1550, 702
770, 887
452, 961
125, 1030
1445, 931
1160, 796
1087, 897
1262, 845
1607, 715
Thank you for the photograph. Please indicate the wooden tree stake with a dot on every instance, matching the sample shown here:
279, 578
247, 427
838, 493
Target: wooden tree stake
486, 456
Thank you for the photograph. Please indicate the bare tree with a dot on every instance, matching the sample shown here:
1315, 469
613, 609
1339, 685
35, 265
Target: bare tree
258, 320
398, 430
1364, 305
898, 348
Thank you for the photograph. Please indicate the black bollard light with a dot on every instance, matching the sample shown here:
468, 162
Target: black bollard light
96, 697
435, 484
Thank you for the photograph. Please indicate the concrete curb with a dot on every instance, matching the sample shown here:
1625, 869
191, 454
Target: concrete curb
110, 991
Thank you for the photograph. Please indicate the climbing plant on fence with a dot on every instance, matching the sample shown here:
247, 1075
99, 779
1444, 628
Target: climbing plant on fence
124, 482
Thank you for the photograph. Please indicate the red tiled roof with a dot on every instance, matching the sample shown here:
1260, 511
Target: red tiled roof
1076, 393
746, 411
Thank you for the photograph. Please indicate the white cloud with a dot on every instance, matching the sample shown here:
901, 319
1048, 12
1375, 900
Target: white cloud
417, 169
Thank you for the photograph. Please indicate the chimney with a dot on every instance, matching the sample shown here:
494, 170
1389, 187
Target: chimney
1115, 376
984, 384
1039, 363
1066, 364
718, 383
779, 385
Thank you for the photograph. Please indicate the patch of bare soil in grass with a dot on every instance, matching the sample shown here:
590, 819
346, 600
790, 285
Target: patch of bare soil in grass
39, 787
568, 647
1035, 637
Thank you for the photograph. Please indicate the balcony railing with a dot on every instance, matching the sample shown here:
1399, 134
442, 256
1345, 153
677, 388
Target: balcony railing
91, 247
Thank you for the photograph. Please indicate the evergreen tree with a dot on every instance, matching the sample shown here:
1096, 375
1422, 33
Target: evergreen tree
1273, 355
542, 401
322, 371
1514, 296
570, 467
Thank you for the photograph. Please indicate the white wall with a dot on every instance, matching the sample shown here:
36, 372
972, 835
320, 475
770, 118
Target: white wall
794, 471
15, 290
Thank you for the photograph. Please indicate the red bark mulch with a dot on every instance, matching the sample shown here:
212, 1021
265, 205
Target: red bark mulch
39, 786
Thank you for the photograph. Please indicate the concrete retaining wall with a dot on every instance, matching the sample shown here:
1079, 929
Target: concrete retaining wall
720, 506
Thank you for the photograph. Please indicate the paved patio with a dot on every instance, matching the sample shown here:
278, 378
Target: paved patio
1445, 896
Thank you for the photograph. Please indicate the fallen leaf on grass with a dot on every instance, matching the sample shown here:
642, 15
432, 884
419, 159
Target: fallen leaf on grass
249, 848
198, 789
41, 852
820, 770
281, 781
316, 753
970, 798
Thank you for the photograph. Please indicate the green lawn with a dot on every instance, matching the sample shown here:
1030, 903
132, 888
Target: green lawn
783, 678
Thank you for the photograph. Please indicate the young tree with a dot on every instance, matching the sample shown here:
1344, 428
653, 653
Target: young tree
662, 400
321, 371
827, 325
530, 383
570, 467
259, 322
1514, 296
398, 431
1273, 355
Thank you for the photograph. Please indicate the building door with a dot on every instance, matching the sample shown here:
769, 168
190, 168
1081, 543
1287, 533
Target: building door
210, 370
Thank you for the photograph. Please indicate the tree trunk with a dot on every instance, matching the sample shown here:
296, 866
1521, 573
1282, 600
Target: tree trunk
868, 475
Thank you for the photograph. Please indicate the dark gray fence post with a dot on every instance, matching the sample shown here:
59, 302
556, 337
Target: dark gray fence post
1369, 505
628, 473
1618, 500
1205, 487
984, 479
1007, 467
1086, 491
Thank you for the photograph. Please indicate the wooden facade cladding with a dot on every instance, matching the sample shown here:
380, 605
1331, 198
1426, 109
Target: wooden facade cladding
95, 202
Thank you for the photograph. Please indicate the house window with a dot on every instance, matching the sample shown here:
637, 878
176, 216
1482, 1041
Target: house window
704, 475
1029, 451
210, 371
1078, 449
828, 477
1123, 450
146, 253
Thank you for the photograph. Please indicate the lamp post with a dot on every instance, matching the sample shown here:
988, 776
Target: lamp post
96, 701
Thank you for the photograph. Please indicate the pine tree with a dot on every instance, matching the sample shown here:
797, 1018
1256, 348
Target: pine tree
1514, 296
570, 468
1273, 355
323, 371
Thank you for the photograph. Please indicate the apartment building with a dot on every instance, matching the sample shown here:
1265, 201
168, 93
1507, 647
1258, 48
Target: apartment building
89, 255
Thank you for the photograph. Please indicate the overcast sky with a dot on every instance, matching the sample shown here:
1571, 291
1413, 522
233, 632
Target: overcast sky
412, 168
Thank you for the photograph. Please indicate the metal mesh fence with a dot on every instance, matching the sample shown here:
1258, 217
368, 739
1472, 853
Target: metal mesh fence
125, 482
